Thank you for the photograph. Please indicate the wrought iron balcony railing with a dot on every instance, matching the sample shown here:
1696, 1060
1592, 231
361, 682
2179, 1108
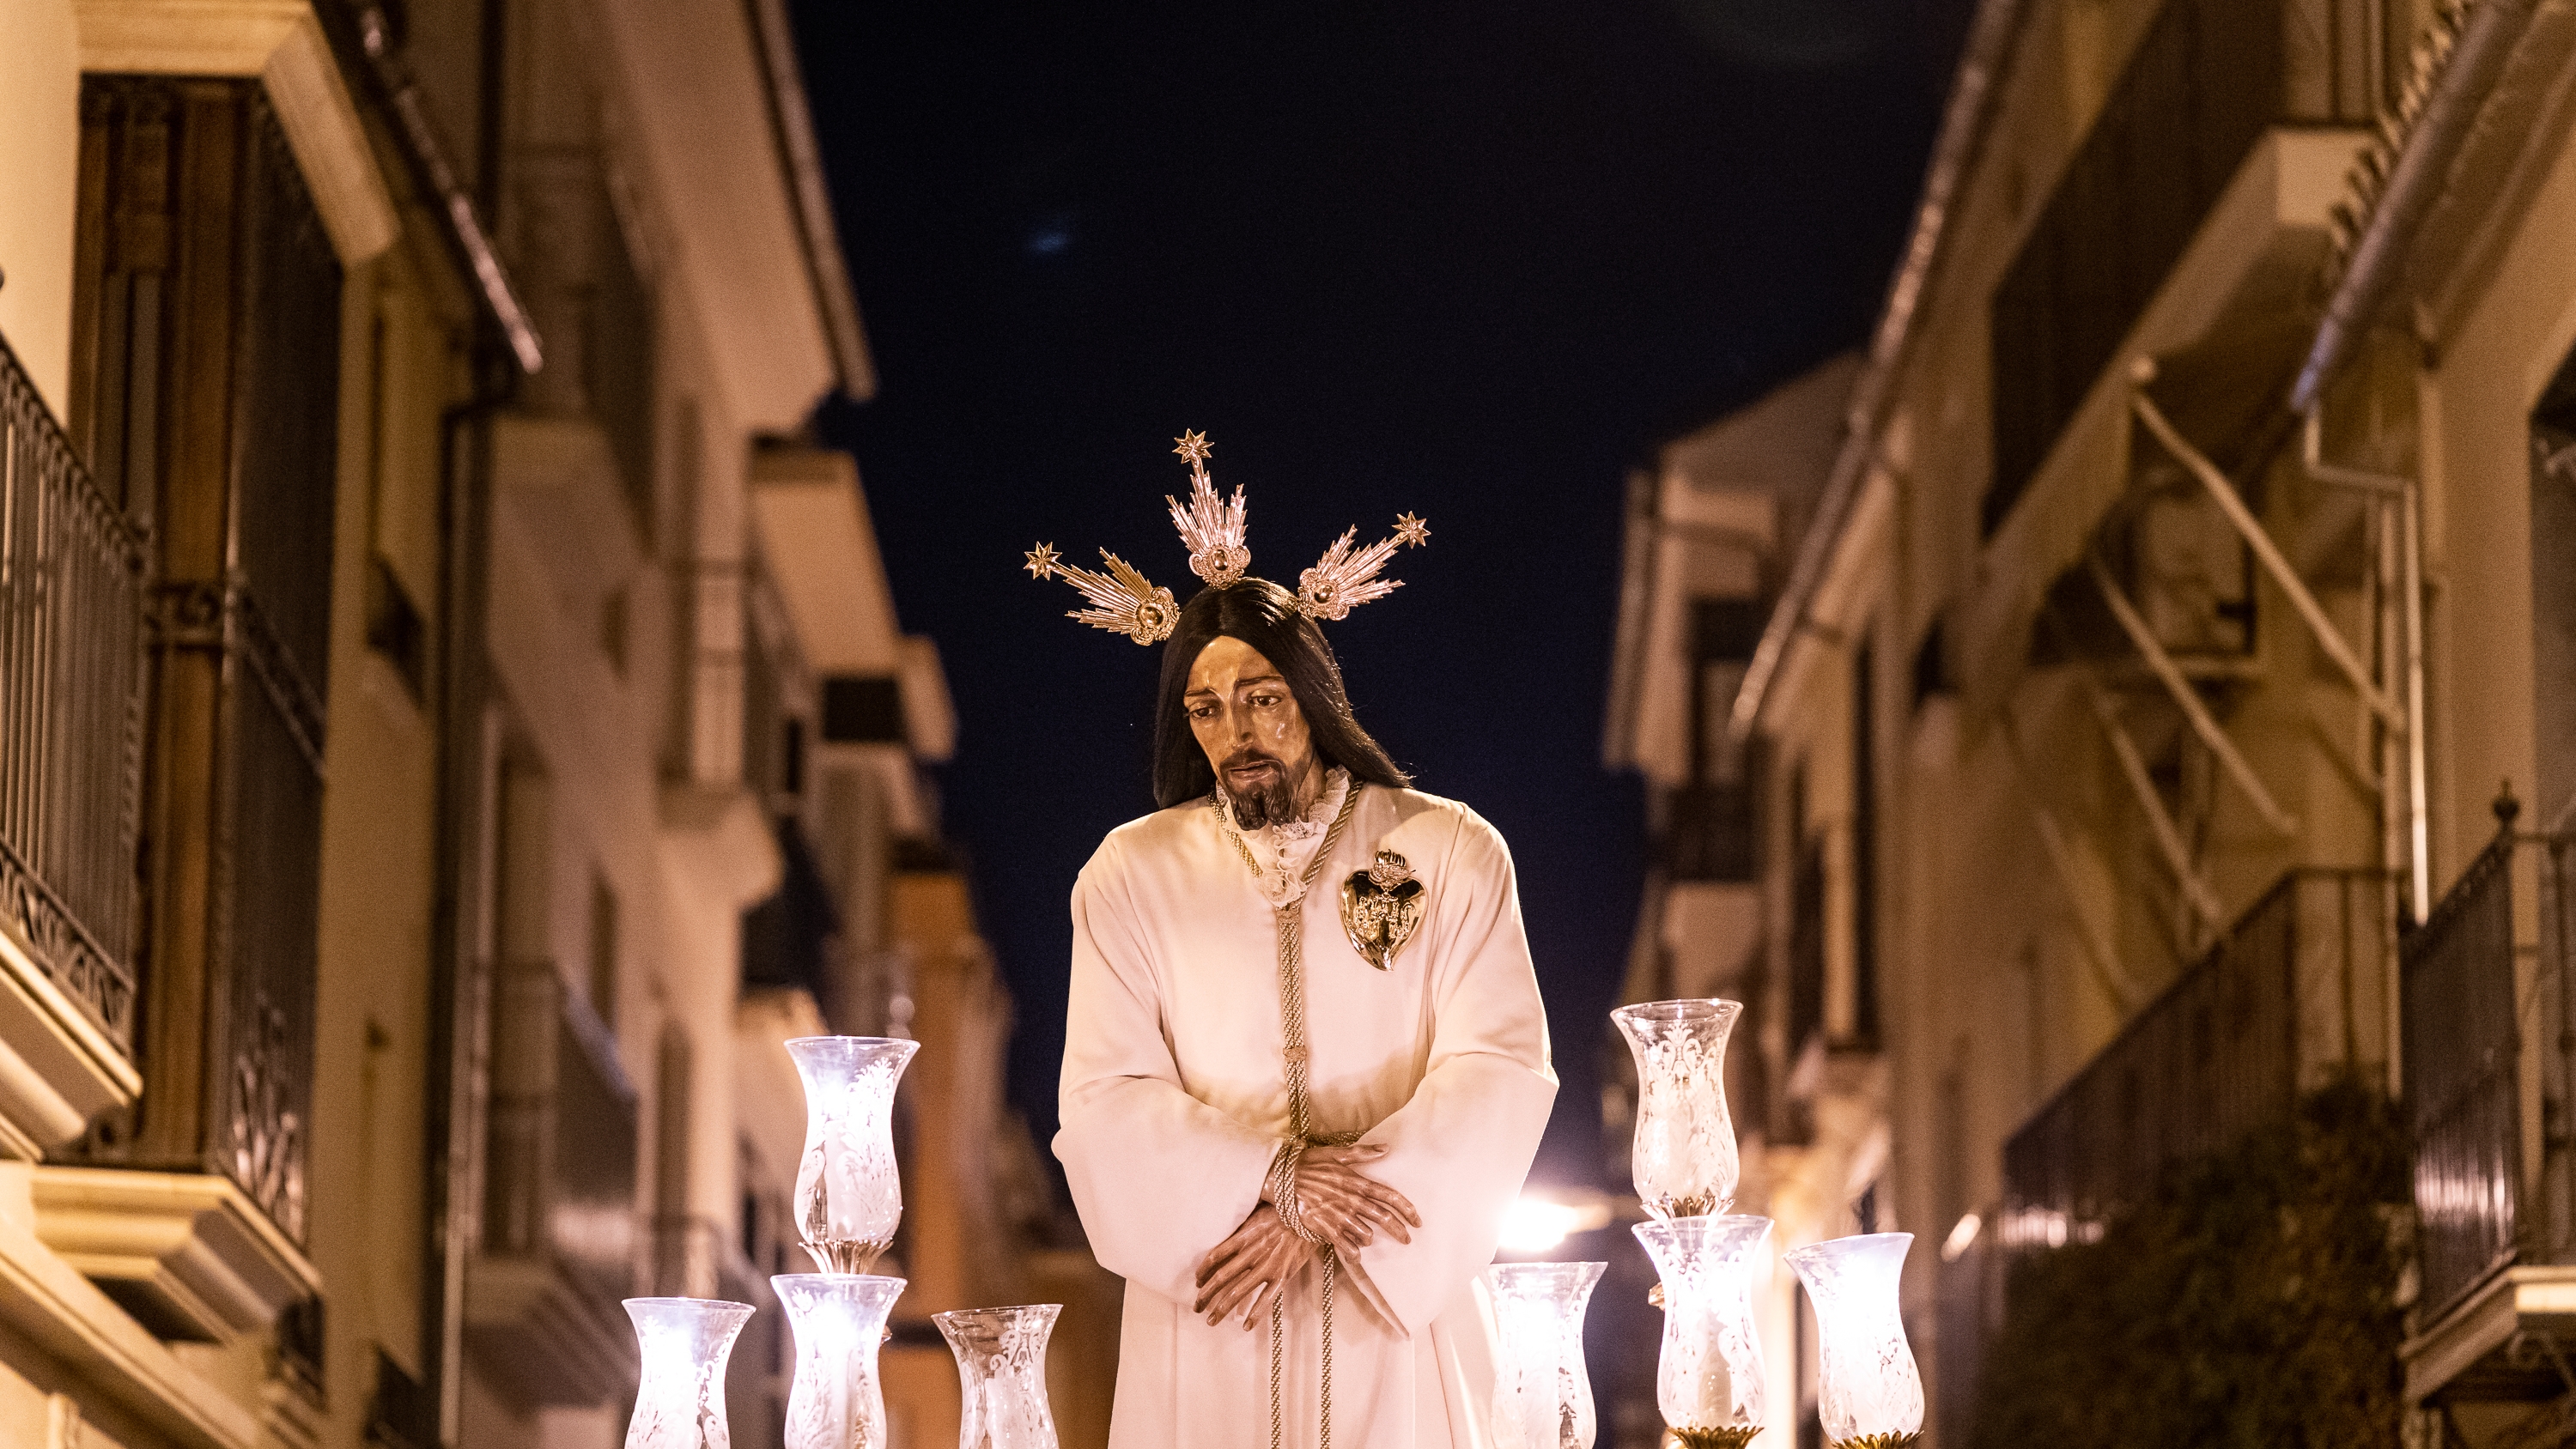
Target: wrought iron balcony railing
2463, 1067
559, 1212
2290, 997
71, 712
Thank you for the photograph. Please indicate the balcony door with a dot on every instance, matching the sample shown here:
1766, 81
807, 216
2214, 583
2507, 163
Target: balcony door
206, 394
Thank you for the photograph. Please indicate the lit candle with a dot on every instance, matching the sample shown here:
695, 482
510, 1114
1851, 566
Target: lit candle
1868, 1391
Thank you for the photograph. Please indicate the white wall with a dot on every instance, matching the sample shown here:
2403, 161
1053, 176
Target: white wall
39, 159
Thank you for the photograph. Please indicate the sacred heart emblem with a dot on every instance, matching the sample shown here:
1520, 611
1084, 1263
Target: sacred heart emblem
1380, 907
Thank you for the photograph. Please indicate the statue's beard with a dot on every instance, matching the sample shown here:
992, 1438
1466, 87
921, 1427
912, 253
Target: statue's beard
1270, 803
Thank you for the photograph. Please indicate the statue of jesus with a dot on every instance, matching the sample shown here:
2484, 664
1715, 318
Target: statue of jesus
1306, 1065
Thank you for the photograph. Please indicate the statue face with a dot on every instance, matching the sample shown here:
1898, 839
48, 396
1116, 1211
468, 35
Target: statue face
1256, 739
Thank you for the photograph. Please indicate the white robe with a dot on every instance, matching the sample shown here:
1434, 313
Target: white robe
1173, 1103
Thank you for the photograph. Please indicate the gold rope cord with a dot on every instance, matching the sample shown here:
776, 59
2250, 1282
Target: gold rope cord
1292, 1028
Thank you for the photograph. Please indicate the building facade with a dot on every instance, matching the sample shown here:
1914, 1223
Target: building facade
455, 729
2123, 733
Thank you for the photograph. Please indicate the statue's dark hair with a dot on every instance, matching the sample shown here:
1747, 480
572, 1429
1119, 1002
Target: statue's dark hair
1263, 615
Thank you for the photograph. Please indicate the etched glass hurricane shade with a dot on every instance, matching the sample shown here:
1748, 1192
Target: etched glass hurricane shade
1684, 1154
683, 1344
835, 1401
1542, 1390
848, 1196
1708, 1377
1001, 1367
1867, 1390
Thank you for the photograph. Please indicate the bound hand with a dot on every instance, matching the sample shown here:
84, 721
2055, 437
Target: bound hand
1344, 1207
1249, 1268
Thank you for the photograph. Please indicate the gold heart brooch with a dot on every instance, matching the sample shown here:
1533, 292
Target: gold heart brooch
1380, 908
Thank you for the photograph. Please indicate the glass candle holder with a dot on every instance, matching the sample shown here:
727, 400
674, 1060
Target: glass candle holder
1542, 1389
835, 1401
1708, 1376
683, 1343
1684, 1156
849, 1198
1868, 1392
1001, 1367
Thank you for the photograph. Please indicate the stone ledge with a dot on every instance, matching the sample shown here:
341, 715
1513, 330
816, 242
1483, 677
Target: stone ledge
187, 1253
57, 1069
282, 43
2468, 1354
548, 1341
48, 1305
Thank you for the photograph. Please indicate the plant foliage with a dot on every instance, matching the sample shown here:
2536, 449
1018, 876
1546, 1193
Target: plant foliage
2249, 1303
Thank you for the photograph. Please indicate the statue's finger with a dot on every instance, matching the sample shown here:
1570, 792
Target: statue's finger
1227, 1281
1401, 1204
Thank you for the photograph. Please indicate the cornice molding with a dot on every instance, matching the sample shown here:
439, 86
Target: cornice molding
281, 42
189, 1249
45, 1302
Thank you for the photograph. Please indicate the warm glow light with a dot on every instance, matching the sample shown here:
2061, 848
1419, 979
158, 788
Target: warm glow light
1541, 1223
1963, 1236
1535, 1225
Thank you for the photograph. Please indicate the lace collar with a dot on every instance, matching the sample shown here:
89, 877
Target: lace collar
1282, 850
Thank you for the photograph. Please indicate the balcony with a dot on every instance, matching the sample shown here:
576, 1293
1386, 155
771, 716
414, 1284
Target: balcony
2204, 85
2497, 1250
71, 730
559, 1244
2293, 996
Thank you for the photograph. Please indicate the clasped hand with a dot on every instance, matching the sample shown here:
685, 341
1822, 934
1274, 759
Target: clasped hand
1337, 1202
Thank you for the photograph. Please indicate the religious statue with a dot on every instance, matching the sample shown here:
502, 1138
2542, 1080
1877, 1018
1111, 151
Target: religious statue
1305, 1062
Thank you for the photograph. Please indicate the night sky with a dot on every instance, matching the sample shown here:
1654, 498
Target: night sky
1469, 261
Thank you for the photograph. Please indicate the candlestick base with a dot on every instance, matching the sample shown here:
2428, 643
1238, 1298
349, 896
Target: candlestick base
1734, 1436
1879, 1441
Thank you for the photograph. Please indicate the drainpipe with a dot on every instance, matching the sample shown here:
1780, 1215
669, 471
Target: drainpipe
1972, 105
505, 350
2415, 181
2417, 174
2400, 571
2403, 497
397, 94
2433, 141
461, 946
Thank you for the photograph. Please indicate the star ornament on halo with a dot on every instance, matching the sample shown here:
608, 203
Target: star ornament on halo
1123, 601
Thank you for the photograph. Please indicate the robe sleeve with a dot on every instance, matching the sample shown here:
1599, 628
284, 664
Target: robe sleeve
1158, 1176
1461, 1145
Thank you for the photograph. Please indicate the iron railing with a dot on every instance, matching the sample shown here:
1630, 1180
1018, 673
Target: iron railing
2290, 997
561, 1182
2463, 1080
71, 712
559, 1233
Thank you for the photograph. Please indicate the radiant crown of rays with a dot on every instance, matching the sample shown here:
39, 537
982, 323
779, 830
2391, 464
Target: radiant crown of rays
1124, 601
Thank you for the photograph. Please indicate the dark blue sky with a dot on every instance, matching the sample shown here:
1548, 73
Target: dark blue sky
1471, 261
